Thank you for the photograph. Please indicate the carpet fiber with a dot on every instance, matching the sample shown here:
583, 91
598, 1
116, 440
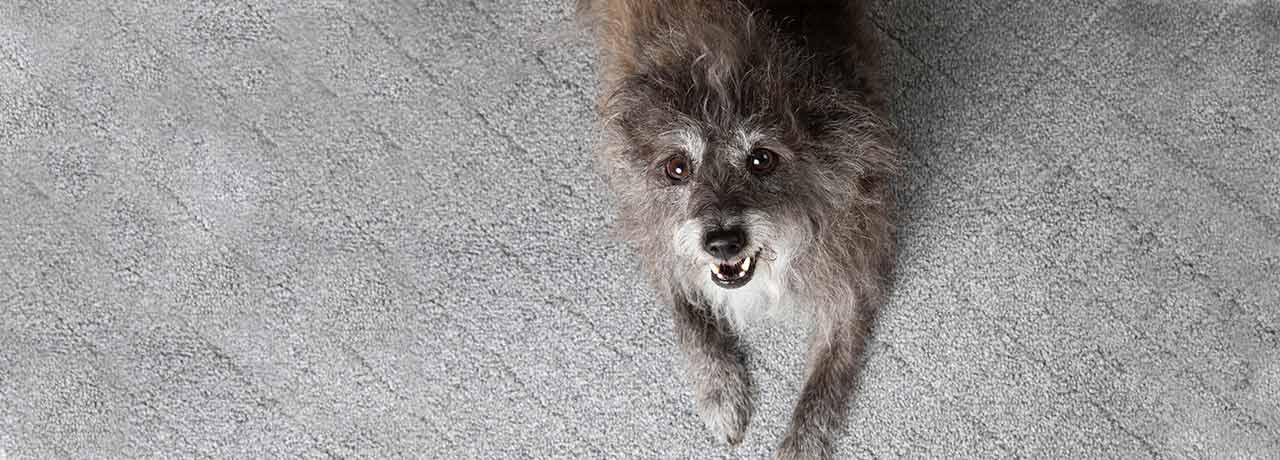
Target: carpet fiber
347, 229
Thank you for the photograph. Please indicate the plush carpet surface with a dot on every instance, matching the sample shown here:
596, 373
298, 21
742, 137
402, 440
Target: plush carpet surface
349, 229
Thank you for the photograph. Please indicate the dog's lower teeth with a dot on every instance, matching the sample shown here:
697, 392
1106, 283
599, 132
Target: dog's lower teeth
731, 272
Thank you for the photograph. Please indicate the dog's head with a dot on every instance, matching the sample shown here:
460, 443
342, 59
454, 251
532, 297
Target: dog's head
730, 148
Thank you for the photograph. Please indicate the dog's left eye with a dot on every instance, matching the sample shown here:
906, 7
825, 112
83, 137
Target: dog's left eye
761, 160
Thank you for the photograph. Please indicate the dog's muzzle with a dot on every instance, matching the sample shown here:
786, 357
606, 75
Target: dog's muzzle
731, 269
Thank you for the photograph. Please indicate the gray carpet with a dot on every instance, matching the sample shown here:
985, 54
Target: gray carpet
331, 229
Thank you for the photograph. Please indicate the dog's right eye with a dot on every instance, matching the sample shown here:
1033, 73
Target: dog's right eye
678, 168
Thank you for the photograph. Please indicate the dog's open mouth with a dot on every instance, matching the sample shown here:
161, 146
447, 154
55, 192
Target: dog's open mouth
734, 275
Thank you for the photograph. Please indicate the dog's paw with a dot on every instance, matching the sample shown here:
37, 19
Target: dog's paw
797, 446
726, 411
726, 418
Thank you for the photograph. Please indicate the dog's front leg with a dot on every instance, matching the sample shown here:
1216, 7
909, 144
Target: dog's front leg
721, 383
834, 352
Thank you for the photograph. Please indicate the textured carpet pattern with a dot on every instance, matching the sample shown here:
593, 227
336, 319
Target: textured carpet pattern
346, 229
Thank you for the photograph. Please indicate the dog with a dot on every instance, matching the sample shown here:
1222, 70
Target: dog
748, 147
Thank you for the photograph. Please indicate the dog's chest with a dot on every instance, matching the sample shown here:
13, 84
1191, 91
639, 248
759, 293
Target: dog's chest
763, 296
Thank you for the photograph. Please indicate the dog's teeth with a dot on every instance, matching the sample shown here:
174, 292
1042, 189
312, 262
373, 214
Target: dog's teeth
716, 268
746, 264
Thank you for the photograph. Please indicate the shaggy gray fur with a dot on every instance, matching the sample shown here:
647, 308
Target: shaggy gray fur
797, 88
330, 229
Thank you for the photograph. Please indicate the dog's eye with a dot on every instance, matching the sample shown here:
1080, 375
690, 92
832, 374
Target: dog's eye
761, 160
678, 168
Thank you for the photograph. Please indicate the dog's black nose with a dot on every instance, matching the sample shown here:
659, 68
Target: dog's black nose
725, 244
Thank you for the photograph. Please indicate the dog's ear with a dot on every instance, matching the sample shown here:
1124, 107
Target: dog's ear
627, 32
618, 27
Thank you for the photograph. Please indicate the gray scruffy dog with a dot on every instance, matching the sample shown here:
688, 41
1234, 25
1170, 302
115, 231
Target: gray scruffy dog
748, 146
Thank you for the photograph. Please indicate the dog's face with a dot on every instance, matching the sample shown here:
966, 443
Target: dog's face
731, 152
732, 200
